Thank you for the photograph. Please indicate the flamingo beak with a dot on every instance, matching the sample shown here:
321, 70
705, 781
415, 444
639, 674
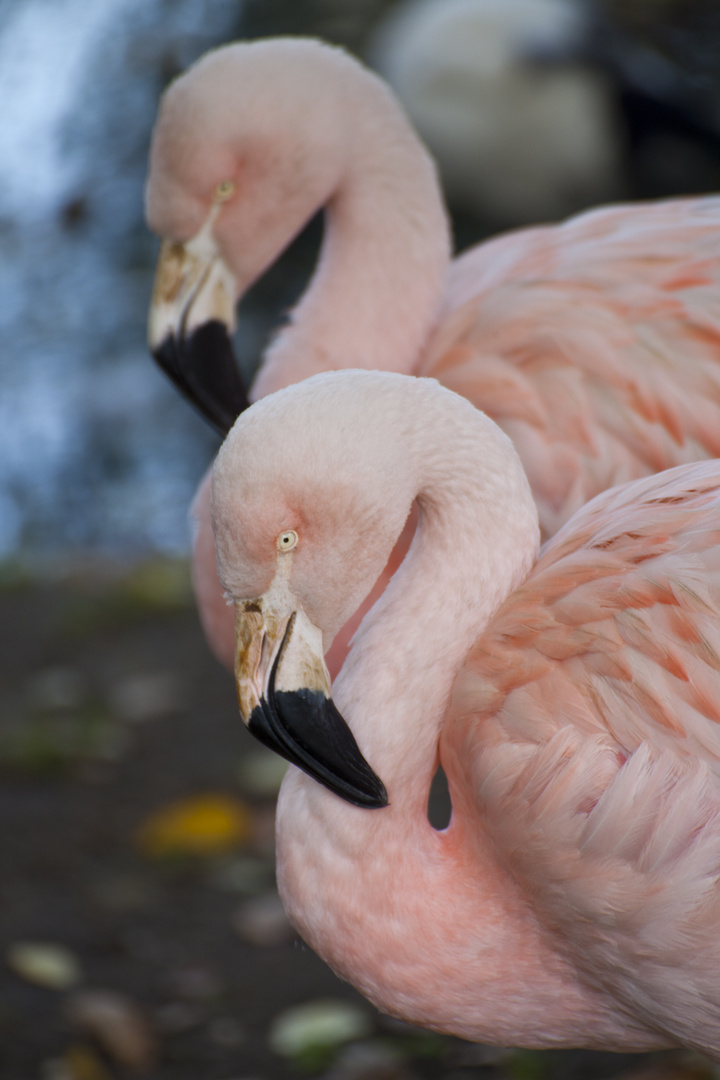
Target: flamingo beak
191, 318
284, 696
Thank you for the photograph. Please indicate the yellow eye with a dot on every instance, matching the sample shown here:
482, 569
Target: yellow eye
224, 190
287, 540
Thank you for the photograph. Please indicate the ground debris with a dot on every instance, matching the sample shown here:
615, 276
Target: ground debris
79, 1062
118, 1024
371, 1060
200, 825
311, 1034
262, 921
164, 930
139, 698
51, 966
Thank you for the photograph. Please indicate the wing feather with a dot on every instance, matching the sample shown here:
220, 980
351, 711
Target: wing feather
595, 345
586, 720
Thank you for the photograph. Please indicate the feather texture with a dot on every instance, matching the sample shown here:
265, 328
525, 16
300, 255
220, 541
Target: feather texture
586, 720
595, 345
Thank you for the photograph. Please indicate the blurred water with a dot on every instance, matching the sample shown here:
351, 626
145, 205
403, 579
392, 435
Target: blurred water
95, 450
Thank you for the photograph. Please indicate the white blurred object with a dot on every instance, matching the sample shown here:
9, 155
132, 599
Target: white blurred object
519, 132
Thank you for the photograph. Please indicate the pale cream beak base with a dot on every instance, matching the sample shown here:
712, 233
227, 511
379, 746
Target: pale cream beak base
285, 645
192, 286
283, 689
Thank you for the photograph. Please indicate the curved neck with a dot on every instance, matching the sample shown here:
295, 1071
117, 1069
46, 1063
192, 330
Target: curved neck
477, 538
376, 291
346, 875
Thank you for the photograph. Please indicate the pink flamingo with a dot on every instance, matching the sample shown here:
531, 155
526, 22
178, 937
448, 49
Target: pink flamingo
594, 344
572, 702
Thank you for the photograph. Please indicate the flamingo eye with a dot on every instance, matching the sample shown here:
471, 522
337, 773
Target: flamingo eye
224, 190
287, 540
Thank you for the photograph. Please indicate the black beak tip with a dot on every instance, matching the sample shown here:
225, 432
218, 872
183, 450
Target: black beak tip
306, 728
166, 356
203, 368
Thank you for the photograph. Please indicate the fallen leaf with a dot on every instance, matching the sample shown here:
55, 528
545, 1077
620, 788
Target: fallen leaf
261, 773
82, 1063
309, 1033
204, 825
117, 1023
51, 966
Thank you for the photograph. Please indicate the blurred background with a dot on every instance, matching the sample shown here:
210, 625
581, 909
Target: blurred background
136, 942
534, 109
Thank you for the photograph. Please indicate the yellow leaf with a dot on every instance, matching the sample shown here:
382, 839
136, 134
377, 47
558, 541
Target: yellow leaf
203, 825
83, 1064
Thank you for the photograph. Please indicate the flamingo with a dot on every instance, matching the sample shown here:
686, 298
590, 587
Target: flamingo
571, 698
594, 344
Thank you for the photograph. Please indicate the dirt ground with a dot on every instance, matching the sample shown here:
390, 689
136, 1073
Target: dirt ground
121, 955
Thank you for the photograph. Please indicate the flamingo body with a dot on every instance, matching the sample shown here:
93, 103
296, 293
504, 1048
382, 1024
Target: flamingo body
594, 344
586, 722
570, 698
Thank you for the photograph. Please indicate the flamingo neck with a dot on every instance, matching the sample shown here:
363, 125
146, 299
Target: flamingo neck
476, 539
376, 290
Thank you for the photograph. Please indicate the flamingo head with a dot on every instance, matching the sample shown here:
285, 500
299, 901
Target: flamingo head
310, 492
244, 151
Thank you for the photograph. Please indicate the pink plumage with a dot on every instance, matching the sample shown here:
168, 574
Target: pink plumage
571, 698
572, 900
594, 344
586, 719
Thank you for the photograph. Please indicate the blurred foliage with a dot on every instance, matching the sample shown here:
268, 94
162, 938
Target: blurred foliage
52, 743
153, 587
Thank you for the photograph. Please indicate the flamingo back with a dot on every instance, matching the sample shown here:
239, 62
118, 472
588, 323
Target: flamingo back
595, 345
586, 721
